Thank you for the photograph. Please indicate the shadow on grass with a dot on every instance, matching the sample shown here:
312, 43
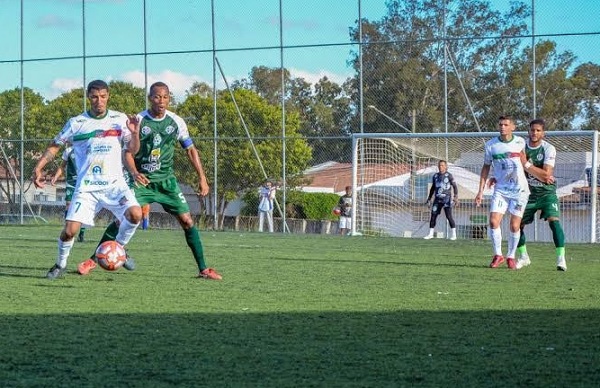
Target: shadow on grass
404, 348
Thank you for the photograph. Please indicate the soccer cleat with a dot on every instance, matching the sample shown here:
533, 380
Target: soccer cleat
561, 263
523, 261
129, 264
510, 262
210, 273
496, 261
80, 237
428, 237
55, 272
85, 267
453, 237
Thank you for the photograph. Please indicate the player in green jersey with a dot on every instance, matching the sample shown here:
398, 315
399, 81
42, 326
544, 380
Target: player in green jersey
542, 156
68, 167
153, 177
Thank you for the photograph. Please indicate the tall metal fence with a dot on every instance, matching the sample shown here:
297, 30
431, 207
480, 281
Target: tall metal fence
407, 66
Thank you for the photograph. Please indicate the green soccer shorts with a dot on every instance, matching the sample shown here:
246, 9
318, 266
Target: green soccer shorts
166, 192
548, 204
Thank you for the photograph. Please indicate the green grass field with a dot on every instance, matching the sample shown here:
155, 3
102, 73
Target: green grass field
301, 311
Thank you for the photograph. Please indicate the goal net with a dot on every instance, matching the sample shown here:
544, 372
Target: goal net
392, 175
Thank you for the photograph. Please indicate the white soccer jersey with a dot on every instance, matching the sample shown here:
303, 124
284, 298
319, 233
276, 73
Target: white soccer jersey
97, 144
505, 159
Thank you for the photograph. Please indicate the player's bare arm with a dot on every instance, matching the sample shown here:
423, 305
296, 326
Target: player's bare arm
133, 142
48, 156
485, 171
129, 163
194, 157
58, 173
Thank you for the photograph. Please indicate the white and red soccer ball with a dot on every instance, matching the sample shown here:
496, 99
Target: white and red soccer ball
111, 255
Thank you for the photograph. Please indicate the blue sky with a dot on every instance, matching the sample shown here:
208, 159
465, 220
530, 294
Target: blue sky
53, 29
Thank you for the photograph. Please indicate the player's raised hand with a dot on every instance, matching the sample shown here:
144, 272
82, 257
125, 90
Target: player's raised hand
133, 123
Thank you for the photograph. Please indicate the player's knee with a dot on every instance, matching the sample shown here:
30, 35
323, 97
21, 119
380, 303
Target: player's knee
186, 221
134, 214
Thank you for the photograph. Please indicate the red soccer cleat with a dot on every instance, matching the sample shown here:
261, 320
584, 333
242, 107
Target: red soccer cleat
85, 267
496, 261
510, 262
209, 273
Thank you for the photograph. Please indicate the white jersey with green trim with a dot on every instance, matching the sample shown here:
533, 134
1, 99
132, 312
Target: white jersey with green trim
505, 159
97, 145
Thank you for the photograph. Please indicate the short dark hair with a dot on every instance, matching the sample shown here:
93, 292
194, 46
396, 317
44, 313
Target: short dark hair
507, 117
539, 122
97, 84
158, 84
348, 188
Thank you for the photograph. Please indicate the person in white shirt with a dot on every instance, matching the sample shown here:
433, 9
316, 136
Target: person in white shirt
98, 137
506, 155
266, 195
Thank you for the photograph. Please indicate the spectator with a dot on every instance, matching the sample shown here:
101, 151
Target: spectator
345, 205
266, 195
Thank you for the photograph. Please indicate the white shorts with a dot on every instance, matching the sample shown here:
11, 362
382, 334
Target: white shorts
345, 222
500, 203
85, 205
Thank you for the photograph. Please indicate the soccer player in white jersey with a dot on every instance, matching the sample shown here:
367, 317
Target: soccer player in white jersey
97, 137
506, 155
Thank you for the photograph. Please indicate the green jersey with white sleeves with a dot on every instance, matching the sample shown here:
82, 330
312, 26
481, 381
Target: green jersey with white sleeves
158, 137
543, 154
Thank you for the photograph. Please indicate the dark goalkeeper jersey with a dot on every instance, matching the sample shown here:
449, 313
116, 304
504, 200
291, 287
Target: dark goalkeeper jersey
157, 144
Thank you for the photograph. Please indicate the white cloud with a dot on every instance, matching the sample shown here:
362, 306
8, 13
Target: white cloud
178, 82
314, 77
62, 85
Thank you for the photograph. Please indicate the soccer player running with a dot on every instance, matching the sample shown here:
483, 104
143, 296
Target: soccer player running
506, 154
542, 155
442, 185
68, 167
153, 177
98, 137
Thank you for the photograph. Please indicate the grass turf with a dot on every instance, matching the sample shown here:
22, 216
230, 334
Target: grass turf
297, 310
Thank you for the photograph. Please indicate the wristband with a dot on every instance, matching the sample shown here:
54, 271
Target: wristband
527, 165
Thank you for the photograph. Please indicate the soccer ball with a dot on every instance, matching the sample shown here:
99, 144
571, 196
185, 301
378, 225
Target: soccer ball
111, 255
337, 211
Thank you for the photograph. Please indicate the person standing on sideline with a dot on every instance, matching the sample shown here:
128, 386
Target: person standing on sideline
542, 155
67, 166
266, 195
442, 185
98, 137
152, 173
506, 154
345, 205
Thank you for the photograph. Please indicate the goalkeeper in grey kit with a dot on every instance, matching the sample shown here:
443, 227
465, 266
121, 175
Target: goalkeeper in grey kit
442, 185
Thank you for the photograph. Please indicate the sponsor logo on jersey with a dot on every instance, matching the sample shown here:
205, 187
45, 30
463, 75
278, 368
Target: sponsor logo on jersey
170, 129
540, 157
154, 155
146, 130
96, 169
88, 182
151, 167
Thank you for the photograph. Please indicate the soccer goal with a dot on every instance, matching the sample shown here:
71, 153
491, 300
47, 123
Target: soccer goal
392, 175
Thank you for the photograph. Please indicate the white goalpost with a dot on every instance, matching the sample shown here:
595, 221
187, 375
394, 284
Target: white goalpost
392, 172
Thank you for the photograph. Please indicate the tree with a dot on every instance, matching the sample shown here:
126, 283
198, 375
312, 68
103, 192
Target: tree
237, 164
10, 135
403, 62
586, 79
